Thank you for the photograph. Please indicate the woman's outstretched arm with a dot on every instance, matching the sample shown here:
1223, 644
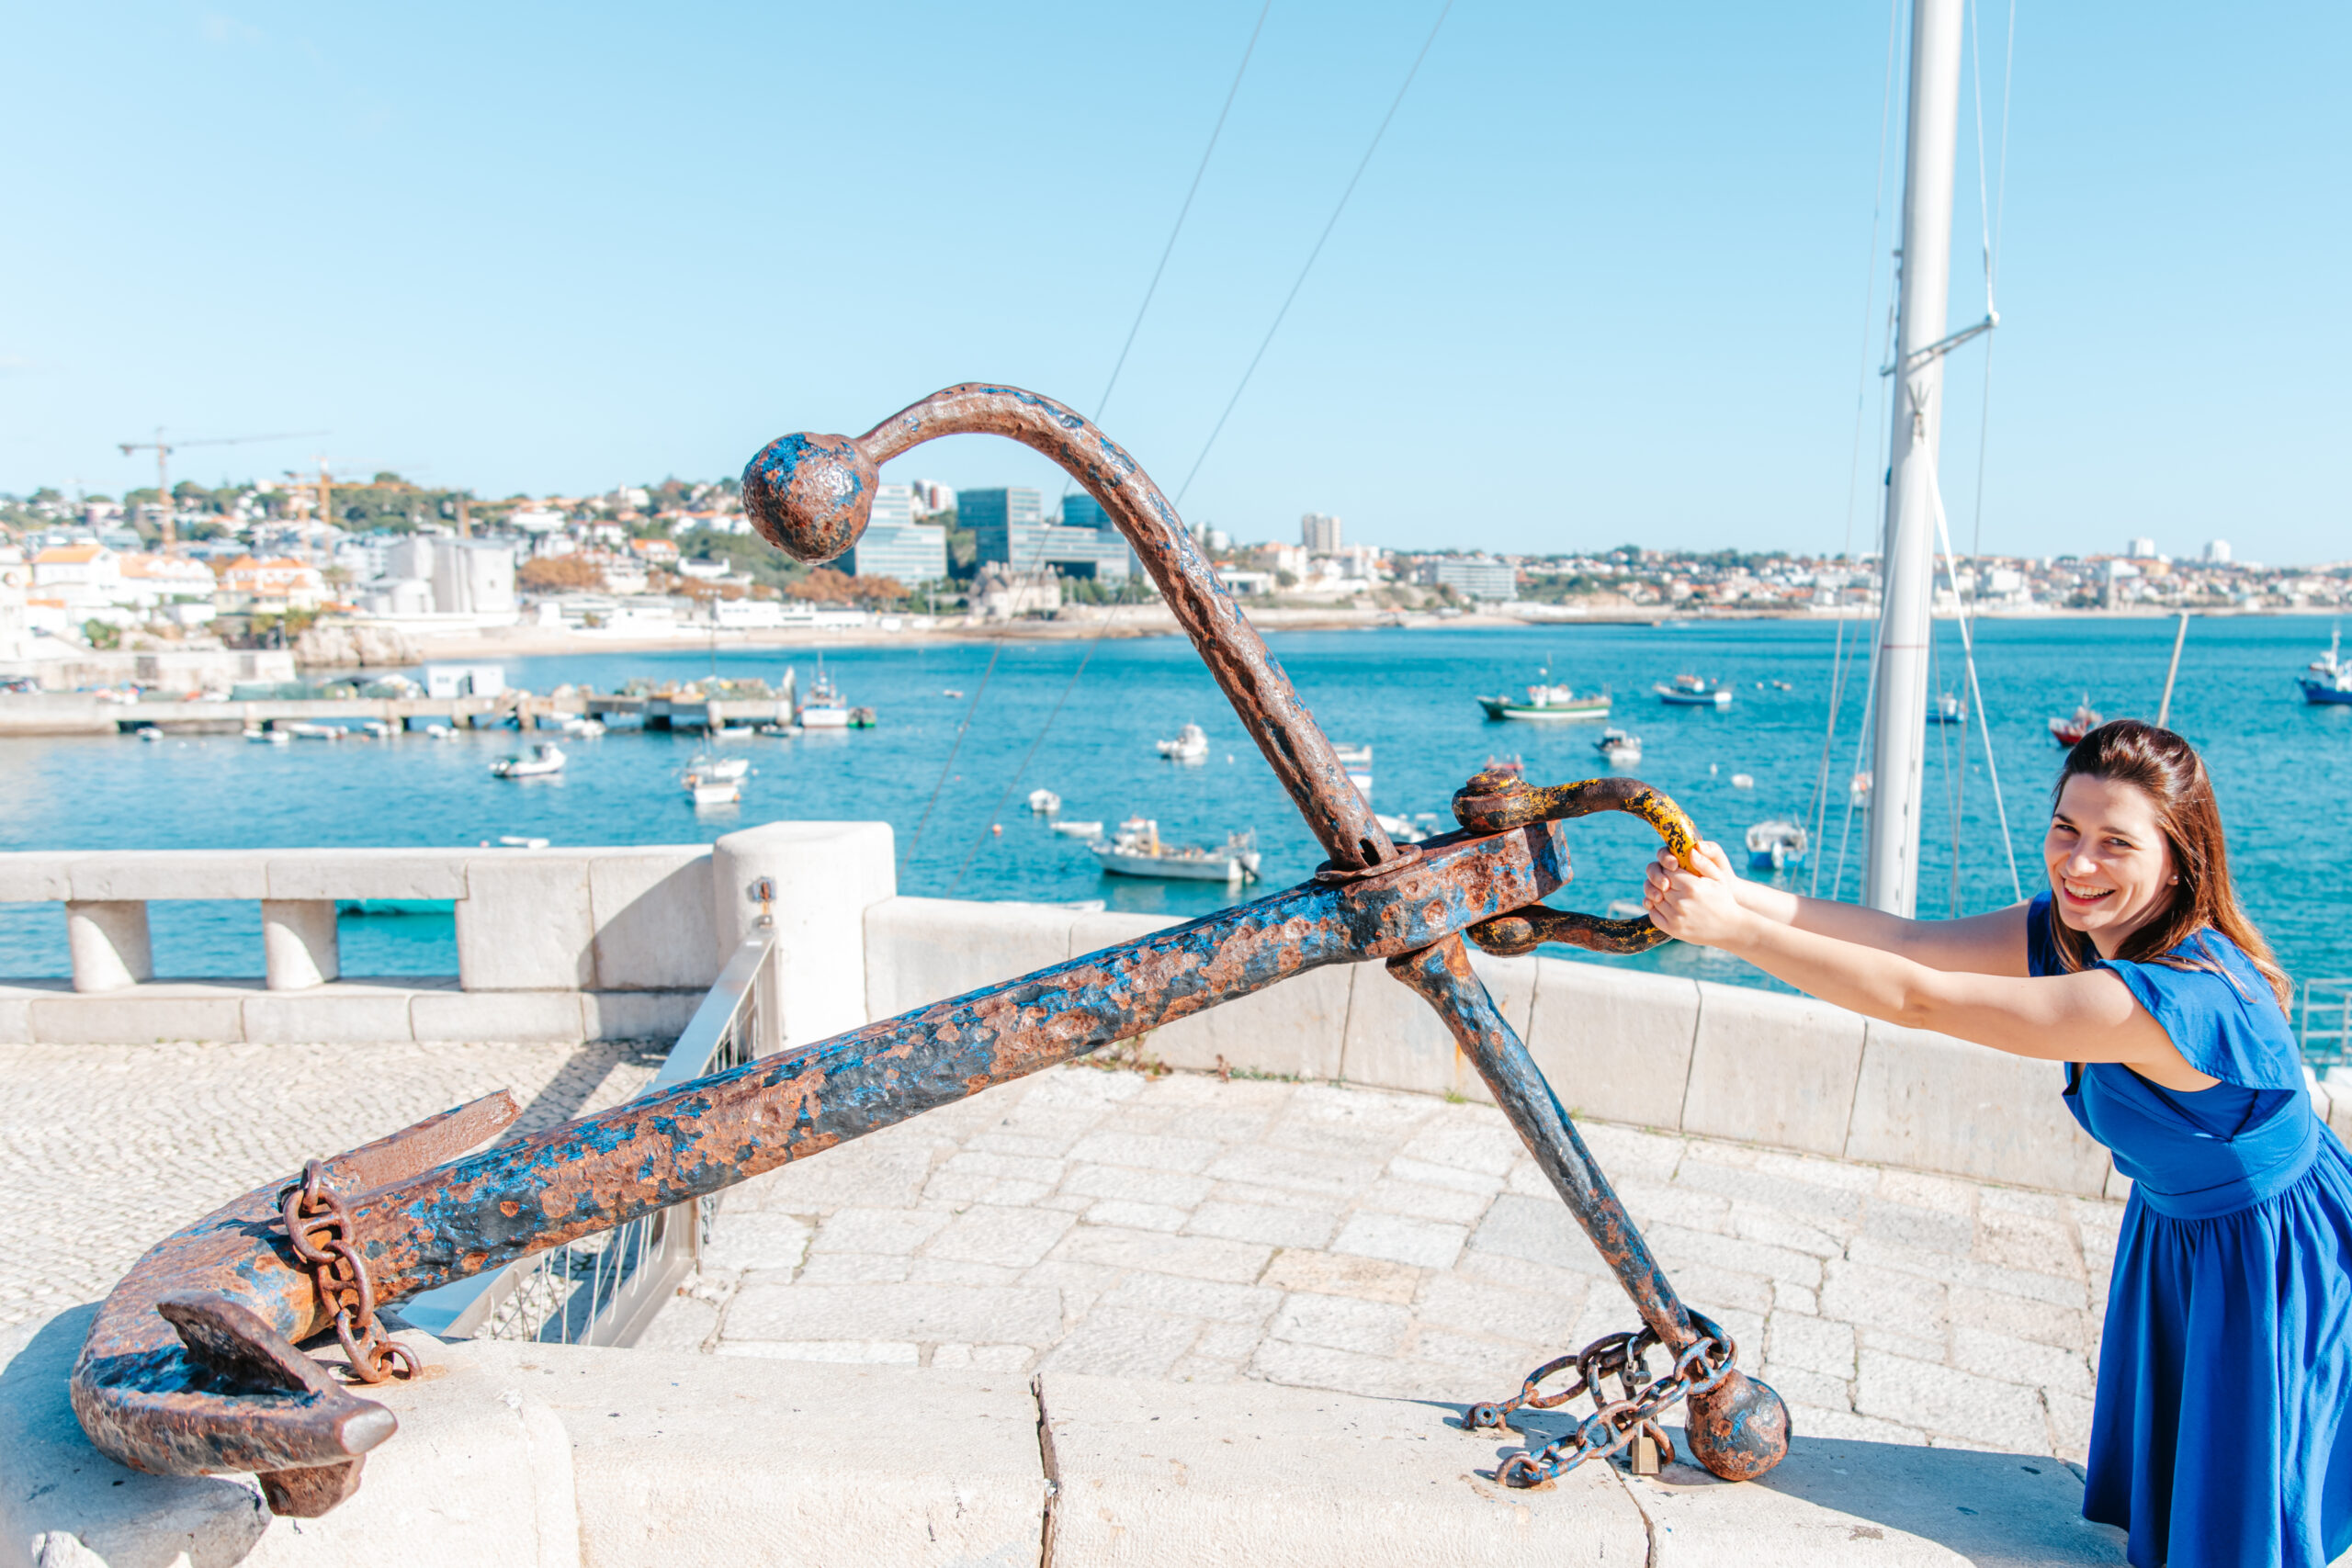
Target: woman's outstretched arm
2090, 1017
1993, 944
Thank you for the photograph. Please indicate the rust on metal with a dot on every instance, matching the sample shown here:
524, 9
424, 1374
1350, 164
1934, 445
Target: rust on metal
1501, 798
191, 1364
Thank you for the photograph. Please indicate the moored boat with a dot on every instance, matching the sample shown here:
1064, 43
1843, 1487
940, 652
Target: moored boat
1045, 801
1548, 705
1352, 756
1947, 710
1191, 745
1137, 850
2330, 675
1776, 845
1693, 692
825, 709
2084, 718
713, 792
546, 758
1622, 749
721, 769
1079, 830
262, 736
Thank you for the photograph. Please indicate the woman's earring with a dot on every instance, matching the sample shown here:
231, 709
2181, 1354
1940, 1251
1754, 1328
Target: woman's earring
2173, 883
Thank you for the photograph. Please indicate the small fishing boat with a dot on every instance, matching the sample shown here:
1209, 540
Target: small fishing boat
520, 842
713, 792
2086, 718
546, 758
441, 732
1782, 686
149, 732
733, 732
1362, 779
1191, 745
1775, 845
1693, 692
303, 729
1079, 830
378, 730
863, 718
1045, 801
2330, 675
720, 769
1352, 756
268, 737
782, 729
1622, 749
951, 691
1743, 781
1548, 705
1401, 830
824, 709
1947, 710
1137, 850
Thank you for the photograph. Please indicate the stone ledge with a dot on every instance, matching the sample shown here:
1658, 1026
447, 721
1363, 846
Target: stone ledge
346, 1012
557, 1456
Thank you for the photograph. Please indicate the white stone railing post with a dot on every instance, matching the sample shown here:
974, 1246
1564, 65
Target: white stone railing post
298, 944
109, 940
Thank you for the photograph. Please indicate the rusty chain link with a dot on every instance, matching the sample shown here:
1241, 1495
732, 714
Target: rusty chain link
1699, 1366
310, 1206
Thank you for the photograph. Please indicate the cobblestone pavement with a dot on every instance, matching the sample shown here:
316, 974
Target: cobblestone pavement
1397, 1245
1172, 1227
105, 1150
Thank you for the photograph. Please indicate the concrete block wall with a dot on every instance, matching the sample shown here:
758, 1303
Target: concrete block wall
1617, 1044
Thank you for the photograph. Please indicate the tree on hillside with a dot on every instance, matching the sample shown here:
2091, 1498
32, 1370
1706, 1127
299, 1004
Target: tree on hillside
560, 574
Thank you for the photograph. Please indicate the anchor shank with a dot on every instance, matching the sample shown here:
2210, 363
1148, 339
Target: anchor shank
1441, 973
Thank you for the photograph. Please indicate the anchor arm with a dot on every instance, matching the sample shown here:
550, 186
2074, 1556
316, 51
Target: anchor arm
811, 495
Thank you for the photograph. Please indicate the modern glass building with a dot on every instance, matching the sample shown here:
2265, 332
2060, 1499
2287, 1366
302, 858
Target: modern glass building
1009, 526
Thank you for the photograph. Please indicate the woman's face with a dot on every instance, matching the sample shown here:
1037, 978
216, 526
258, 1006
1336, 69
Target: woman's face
2110, 866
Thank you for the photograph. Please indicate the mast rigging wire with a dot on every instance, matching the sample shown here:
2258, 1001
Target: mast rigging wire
1332, 223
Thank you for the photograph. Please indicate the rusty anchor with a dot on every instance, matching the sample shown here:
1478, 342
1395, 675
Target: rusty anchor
192, 1365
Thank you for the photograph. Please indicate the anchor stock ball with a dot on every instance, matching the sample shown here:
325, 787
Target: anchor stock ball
809, 495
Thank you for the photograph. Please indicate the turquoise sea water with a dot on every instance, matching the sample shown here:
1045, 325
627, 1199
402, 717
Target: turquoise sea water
2284, 768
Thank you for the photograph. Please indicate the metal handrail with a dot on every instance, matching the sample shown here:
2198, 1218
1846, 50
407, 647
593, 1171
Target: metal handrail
2325, 1044
606, 1289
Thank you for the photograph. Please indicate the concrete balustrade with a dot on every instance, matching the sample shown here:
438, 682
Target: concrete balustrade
554, 944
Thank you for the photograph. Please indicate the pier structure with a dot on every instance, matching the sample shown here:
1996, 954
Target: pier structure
33, 713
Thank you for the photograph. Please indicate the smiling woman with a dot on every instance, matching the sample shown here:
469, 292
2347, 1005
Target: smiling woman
2217, 1437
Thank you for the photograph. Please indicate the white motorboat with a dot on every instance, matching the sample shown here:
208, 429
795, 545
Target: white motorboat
1079, 830
719, 768
586, 729
1352, 756
1947, 710
546, 758
1138, 850
713, 792
378, 730
1045, 801
733, 732
1627, 909
268, 737
149, 732
785, 730
520, 842
1191, 745
1775, 845
441, 732
1400, 830
303, 729
1362, 779
1622, 749
1743, 781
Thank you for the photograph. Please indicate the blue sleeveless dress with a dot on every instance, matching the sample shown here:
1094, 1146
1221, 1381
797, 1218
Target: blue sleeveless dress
2220, 1436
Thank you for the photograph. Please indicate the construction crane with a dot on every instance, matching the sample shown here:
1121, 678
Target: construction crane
164, 450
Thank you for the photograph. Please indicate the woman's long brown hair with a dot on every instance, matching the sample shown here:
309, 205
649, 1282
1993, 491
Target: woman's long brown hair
2168, 771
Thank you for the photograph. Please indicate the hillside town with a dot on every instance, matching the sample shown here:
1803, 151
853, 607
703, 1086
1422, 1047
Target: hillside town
256, 564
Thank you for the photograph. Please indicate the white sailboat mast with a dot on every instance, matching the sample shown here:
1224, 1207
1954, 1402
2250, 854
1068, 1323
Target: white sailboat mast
1898, 722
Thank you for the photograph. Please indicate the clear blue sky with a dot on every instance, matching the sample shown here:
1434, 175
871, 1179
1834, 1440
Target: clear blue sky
1604, 279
